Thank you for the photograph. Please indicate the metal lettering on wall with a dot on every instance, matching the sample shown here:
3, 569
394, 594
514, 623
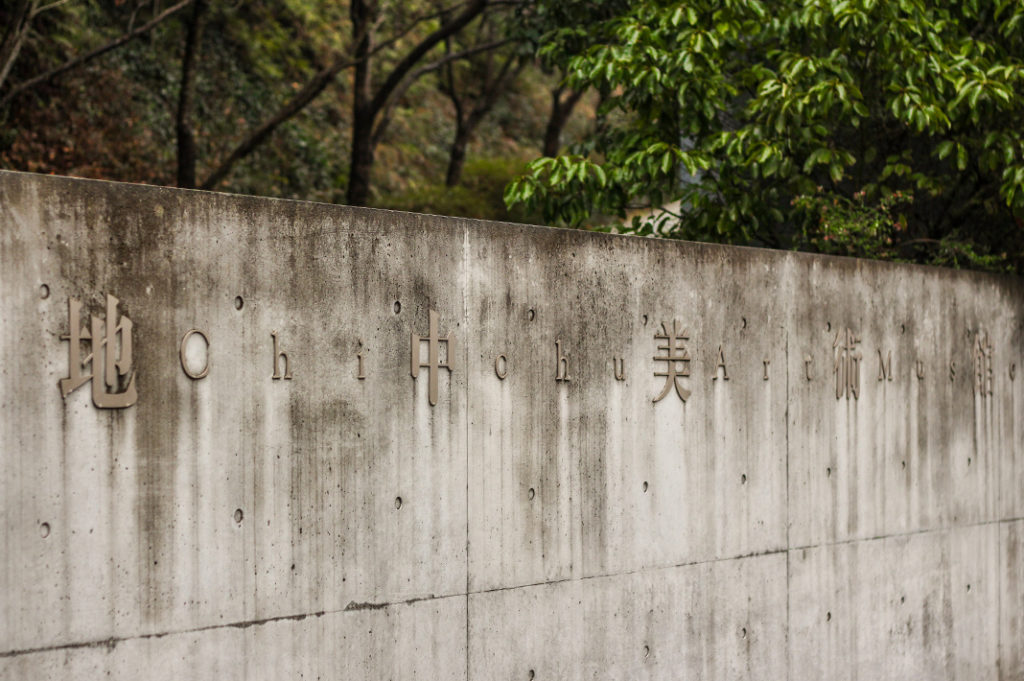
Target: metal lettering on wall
434, 362
182, 352
982, 355
885, 366
101, 352
847, 364
279, 355
676, 358
561, 364
110, 357
720, 364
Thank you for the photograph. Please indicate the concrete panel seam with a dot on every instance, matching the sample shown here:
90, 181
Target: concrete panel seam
113, 642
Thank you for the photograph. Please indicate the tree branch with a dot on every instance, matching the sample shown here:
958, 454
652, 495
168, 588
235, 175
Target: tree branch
408, 82
13, 37
259, 135
319, 82
399, 72
316, 85
44, 8
183, 116
89, 56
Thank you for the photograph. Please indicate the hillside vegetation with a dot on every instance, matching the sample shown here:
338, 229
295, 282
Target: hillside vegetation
858, 127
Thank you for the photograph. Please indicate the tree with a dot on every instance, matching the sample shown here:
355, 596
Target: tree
557, 30
475, 84
375, 27
563, 101
19, 23
853, 126
260, 97
368, 101
187, 155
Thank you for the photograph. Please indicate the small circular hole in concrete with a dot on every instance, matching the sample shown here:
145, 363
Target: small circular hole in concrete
903, 465
645, 320
239, 302
743, 632
398, 307
398, 503
968, 587
530, 314
828, 326
903, 599
968, 461
903, 328
239, 515
743, 479
744, 319
647, 652
531, 674
645, 486
828, 616
44, 530
531, 494
44, 291
828, 472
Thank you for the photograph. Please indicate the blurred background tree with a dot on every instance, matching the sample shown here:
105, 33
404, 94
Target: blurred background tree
855, 127
373, 102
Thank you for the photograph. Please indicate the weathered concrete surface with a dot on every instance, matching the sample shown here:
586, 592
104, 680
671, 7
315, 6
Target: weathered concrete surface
332, 526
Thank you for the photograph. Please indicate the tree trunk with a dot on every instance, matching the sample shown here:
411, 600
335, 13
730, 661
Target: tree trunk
560, 112
465, 125
361, 161
14, 36
183, 119
367, 104
360, 164
457, 154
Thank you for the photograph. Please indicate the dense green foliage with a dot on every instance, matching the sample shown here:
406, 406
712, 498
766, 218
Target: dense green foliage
865, 127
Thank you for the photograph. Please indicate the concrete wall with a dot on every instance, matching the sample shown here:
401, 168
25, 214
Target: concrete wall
329, 526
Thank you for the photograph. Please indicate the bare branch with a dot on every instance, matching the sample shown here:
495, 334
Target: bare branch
417, 20
13, 36
44, 8
497, 87
310, 91
408, 82
401, 70
99, 51
259, 135
325, 76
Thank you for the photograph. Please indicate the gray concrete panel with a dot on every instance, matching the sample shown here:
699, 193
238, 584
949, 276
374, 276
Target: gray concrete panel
719, 620
919, 606
884, 464
625, 483
1011, 601
141, 502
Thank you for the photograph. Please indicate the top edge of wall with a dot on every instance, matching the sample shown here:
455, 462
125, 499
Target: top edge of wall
405, 219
